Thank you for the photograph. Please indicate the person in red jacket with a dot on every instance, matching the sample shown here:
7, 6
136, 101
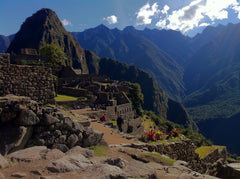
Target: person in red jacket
104, 118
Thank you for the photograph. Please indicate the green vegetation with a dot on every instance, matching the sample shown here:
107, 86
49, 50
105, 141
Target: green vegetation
114, 122
223, 104
136, 96
174, 139
205, 150
53, 54
147, 123
197, 138
100, 151
159, 142
65, 98
149, 157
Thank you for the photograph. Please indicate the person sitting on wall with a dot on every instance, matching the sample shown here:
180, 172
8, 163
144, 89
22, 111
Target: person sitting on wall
120, 122
103, 118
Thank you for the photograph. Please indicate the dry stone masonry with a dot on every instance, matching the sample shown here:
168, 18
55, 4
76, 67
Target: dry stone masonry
23, 124
33, 81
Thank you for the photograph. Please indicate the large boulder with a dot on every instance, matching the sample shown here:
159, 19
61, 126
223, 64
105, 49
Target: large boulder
69, 163
104, 171
79, 150
91, 137
29, 154
27, 118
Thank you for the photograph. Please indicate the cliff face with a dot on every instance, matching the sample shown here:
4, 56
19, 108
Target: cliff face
44, 27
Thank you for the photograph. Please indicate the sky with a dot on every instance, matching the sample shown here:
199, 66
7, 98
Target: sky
187, 16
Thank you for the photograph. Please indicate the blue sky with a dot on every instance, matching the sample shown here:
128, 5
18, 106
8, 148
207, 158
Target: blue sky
187, 16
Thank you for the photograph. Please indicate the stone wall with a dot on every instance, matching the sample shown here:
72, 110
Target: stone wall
23, 123
212, 164
77, 92
112, 112
33, 81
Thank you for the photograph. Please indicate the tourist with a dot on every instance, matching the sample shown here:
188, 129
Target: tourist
103, 118
120, 122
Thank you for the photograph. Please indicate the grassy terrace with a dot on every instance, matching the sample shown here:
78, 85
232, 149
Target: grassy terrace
65, 98
205, 150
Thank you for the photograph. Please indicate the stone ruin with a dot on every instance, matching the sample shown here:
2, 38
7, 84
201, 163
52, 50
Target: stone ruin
98, 92
35, 82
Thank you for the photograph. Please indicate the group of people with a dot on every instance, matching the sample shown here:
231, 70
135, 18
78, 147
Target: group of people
120, 121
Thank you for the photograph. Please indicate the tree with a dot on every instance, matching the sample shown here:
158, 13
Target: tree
53, 54
136, 96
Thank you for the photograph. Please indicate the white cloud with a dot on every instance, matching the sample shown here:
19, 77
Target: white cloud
165, 9
204, 24
145, 14
237, 10
197, 13
65, 22
111, 19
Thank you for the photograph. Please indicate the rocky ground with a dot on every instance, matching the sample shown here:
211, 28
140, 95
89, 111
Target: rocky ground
40, 162
46, 142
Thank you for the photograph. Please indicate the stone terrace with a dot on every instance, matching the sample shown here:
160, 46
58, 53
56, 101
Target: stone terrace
33, 81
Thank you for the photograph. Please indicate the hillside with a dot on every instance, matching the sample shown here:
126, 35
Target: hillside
44, 27
132, 48
212, 77
213, 82
174, 43
155, 98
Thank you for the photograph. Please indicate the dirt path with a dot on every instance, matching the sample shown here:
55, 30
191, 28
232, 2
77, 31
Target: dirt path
110, 135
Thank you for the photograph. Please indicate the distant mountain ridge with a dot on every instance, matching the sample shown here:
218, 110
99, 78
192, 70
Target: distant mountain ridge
133, 48
219, 77
44, 27
213, 81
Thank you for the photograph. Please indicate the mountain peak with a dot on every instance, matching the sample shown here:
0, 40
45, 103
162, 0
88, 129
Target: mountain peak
129, 29
102, 26
44, 27
45, 11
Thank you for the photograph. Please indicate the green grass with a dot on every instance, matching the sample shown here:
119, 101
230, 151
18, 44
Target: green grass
114, 122
174, 139
65, 98
100, 151
205, 150
147, 123
149, 157
159, 142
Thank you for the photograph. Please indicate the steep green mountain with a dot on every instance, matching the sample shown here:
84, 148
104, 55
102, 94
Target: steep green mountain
4, 43
212, 80
132, 48
44, 27
206, 36
173, 42
154, 97
212, 77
